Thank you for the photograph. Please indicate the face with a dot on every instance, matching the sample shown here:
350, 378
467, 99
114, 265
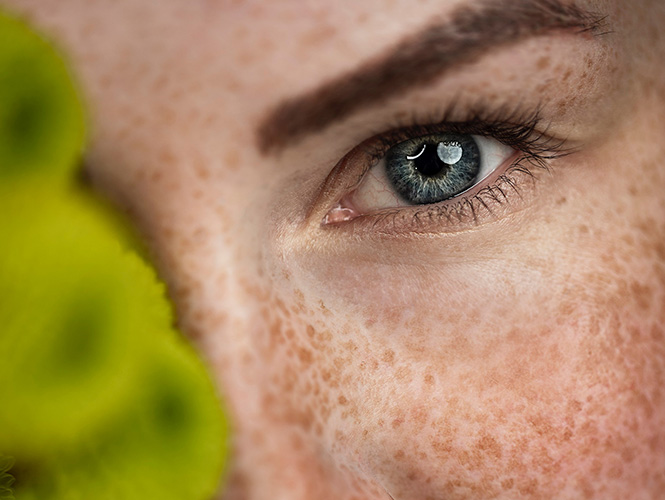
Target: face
500, 334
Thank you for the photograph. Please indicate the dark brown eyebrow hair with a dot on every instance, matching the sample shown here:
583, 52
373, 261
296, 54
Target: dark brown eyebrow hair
419, 59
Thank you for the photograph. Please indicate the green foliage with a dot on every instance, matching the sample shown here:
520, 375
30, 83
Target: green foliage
168, 445
99, 397
6, 479
73, 306
42, 127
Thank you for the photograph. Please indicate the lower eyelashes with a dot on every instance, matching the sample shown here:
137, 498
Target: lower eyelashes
444, 174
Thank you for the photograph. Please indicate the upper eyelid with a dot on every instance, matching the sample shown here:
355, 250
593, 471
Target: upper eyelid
502, 124
520, 129
470, 33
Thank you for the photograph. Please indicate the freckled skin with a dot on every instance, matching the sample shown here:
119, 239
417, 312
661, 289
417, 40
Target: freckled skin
524, 359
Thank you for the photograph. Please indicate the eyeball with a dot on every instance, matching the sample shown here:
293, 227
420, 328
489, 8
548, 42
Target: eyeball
429, 169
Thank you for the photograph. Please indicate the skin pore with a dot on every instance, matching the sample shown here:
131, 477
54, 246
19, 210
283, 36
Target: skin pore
511, 348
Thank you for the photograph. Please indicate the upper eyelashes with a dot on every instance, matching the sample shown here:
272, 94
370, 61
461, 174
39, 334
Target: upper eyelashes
448, 172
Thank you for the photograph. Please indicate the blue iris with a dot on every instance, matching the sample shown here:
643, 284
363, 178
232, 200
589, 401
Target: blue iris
433, 168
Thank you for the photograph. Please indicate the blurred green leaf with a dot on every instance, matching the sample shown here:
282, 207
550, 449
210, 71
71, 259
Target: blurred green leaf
42, 123
99, 397
77, 316
171, 443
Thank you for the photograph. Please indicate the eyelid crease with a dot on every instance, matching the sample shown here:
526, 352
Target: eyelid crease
523, 130
419, 59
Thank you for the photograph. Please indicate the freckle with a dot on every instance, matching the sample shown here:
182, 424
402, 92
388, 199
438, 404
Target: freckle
543, 62
156, 176
323, 308
660, 250
642, 294
310, 331
528, 487
615, 472
279, 305
297, 442
429, 379
507, 484
276, 331
627, 455
419, 415
575, 405
396, 423
488, 445
342, 401
350, 346
388, 356
305, 356
325, 336
201, 170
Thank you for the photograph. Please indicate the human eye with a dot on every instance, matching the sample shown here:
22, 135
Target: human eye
448, 173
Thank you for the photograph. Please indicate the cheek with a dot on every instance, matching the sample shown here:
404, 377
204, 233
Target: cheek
547, 380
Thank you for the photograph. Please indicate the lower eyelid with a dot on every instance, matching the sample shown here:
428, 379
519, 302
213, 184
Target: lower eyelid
503, 191
500, 193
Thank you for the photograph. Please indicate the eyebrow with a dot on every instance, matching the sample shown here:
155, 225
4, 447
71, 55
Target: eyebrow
418, 60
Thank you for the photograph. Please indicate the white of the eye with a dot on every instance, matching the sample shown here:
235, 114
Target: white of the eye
449, 152
493, 154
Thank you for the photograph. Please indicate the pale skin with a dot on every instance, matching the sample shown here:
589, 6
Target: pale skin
520, 355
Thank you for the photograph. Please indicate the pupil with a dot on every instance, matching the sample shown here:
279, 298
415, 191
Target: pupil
429, 163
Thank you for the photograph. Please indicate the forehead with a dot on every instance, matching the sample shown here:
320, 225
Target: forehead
219, 65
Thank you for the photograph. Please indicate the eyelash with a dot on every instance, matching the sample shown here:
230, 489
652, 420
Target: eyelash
524, 131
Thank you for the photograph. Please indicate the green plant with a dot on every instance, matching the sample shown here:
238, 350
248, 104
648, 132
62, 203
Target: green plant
100, 397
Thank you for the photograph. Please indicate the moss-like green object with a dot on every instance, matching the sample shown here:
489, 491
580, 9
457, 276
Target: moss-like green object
171, 443
99, 396
78, 313
6, 479
42, 122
